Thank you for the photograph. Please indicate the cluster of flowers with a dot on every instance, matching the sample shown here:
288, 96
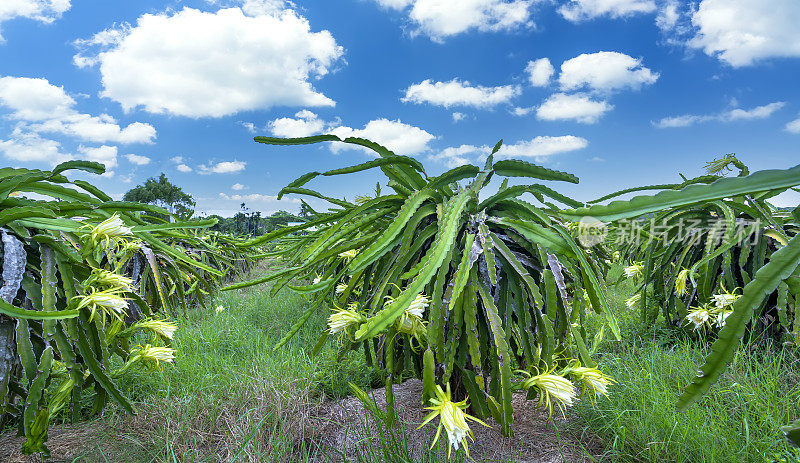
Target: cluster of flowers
715, 312
709, 315
104, 292
556, 387
635, 271
409, 323
553, 389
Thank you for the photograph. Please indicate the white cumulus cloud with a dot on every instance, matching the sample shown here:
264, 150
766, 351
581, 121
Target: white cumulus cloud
542, 146
212, 64
743, 32
459, 93
605, 71
34, 99
222, 167
538, 148
539, 72
180, 164
793, 126
579, 107
32, 148
249, 126
581, 10
45, 11
137, 159
669, 15
681, 121
455, 156
41, 107
759, 112
252, 7
523, 110
304, 124
256, 197
106, 155
395, 135
439, 19
730, 115
238, 187
38, 110
98, 129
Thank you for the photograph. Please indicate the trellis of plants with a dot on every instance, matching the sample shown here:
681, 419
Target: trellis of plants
477, 296
713, 255
87, 283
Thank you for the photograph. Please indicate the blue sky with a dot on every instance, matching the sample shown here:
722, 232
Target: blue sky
618, 92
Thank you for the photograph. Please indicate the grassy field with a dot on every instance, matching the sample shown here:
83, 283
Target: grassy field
229, 396
739, 420
228, 393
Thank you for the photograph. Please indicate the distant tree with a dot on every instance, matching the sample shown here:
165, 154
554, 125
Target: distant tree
221, 225
247, 222
162, 193
305, 210
282, 218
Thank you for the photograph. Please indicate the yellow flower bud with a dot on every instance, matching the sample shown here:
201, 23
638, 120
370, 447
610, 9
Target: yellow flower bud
349, 255
452, 418
680, 282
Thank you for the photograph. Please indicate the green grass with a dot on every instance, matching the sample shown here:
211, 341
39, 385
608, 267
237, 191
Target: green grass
230, 395
738, 420
227, 382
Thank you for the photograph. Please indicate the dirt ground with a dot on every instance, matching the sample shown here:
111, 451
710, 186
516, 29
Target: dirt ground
339, 429
66, 442
342, 429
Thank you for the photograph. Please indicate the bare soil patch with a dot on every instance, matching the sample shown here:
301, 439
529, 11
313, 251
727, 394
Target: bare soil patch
66, 443
337, 428
340, 430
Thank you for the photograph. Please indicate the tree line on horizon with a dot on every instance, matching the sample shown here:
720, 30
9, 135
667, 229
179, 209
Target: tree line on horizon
161, 192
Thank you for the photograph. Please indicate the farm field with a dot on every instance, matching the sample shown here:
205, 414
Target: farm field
406, 231
229, 394
133, 334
